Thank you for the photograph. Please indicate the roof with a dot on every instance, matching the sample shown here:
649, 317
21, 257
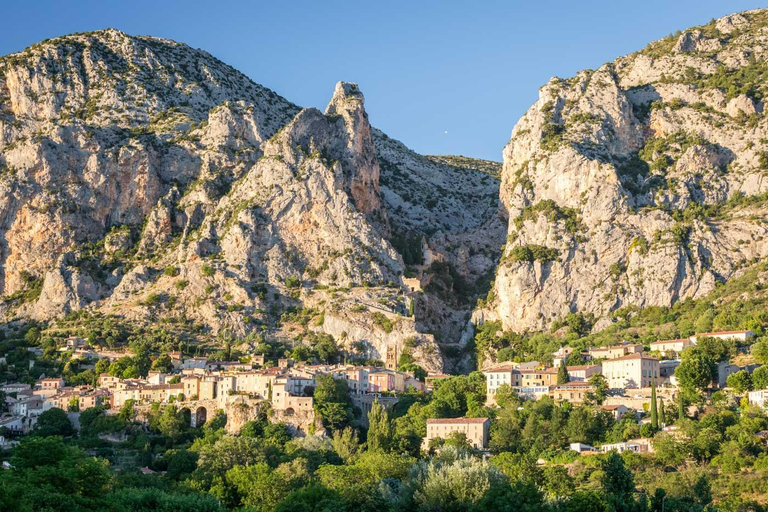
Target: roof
579, 367
679, 340
614, 347
636, 355
722, 332
613, 407
455, 421
504, 367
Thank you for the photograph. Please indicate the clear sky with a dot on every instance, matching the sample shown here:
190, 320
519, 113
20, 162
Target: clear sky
468, 68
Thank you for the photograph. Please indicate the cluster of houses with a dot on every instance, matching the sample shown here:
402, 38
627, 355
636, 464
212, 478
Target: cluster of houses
195, 380
626, 368
288, 387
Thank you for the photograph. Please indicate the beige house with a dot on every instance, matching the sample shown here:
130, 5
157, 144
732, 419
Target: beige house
476, 430
631, 371
675, 347
615, 351
582, 373
495, 377
574, 392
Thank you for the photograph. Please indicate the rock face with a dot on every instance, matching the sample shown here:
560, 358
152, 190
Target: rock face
145, 179
641, 183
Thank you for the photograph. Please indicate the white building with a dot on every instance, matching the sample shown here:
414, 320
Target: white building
725, 335
759, 398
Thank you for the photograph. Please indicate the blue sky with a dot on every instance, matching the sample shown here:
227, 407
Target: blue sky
470, 69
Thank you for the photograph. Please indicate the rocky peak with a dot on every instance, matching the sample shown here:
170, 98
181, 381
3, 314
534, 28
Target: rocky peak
360, 162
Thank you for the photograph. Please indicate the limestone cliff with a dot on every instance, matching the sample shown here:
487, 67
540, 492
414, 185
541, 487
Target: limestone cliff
147, 180
641, 183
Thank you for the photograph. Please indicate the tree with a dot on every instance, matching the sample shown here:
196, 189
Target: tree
260, 486
760, 351
697, 370
760, 377
53, 422
163, 364
662, 414
346, 444
379, 428
74, 404
312, 498
601, 386
458, 440
680, 407
654, 407
135, 499
171, 422
127, 411
562, 374
332, 401
617, 481
741, 381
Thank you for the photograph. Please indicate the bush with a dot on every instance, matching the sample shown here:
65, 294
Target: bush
531, 252
207, 270
292, 282
381, 320
171, 271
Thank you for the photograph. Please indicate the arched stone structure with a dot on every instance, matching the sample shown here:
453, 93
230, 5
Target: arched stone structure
199, 417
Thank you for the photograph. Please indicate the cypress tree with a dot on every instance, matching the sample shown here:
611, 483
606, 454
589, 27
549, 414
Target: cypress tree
680, 407
662, 416
562, 374
654, 408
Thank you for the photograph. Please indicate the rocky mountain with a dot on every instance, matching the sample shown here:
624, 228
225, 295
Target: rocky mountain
641, 183
147, 180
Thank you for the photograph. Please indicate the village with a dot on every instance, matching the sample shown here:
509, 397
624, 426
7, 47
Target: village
623, 380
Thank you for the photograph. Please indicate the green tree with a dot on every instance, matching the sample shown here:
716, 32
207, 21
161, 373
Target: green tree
662, 414
760, 351
53, 422
141, 500
741, 381
562, 374
379, 428
697, 370
162, 364
760, 377
680, 407
260, 487
171, 422
617, 482
654, 407
601, 387
74, 404
312, 498
346, 444
332, 401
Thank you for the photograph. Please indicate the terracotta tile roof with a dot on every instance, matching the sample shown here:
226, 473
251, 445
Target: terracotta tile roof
659, 342
636, 355
455, 421
722, 332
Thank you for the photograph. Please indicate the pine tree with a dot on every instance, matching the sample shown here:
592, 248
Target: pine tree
379, 428
654, 407
562, 374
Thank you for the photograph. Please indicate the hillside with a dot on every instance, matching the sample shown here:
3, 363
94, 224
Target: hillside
639, 184
149, 182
